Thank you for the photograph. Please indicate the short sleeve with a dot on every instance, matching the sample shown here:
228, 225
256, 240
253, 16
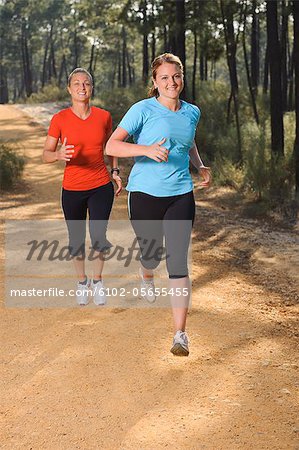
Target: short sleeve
54, 128
197, 114
133, 119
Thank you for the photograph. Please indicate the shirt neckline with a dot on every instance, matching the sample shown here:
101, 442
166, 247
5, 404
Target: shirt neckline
83, 120
167, 109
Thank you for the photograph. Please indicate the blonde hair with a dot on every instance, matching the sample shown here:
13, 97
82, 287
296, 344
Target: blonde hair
79, 70
158, 61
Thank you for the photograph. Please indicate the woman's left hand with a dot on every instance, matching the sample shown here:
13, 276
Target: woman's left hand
117, 180
205, 173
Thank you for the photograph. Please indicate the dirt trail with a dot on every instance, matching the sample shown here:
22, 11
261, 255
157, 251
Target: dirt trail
104, 379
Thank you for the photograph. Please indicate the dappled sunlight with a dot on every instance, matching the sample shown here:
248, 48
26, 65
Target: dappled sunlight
106, 375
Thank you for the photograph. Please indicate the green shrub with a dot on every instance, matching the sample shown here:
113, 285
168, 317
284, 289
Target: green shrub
11, 166
289, 122
226, 173
215, 136
256, 158
50, 93
268, 177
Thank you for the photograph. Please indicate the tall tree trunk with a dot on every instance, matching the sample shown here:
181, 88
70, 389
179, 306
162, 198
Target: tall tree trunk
165, 39
291, 83
49, 66
95, 62
90, 67
91, 59
194, 66
145, 65
76, 49
201, 66
26, 60
132, 66
53, 60
21, 93
284, 45
153, 23
153, 45
3, 85
296, 60
112, 80
254, 49
266, 71
119, 69
44, 73
228, 23
124, 54
180, 30
231, 49
15, 90
169, 11
129, 68
277, 134
62, 71
3, 76
249, 80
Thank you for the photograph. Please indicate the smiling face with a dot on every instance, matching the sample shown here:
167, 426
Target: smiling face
80, 87
169, 80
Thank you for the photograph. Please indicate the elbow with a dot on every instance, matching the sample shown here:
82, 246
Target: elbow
45, 160
45, 157
109, 149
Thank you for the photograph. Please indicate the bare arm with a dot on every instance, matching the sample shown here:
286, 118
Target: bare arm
116, 146
204, 172
51, 154
195, 157
113, 162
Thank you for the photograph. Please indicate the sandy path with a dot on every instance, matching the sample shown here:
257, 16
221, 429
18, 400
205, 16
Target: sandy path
104, 379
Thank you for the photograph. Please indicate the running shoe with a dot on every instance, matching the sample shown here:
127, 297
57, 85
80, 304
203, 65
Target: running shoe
82, 293
99, 293
180, 344
147, 288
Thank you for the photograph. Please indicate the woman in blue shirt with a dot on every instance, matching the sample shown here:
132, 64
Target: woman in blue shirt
161, 200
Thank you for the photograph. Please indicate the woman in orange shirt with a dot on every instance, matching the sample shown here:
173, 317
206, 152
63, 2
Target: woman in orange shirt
83, 131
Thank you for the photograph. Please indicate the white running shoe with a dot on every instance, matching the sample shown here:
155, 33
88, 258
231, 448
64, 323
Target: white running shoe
99, 293
82, 293
147, 288
180, 344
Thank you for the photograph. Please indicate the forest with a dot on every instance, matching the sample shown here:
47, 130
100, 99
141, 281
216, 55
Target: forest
241, 61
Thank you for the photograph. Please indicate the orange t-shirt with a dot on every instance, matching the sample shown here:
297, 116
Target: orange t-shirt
86, 169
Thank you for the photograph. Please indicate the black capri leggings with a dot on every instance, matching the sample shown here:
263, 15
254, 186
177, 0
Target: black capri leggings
75, 204
153, 218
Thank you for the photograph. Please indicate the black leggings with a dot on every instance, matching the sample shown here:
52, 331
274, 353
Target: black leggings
75, 204
155, 217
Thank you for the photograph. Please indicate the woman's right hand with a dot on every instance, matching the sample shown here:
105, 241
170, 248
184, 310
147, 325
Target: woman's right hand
65, 153
157, 152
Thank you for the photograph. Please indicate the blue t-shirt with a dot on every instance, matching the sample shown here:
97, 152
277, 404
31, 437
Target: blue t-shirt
148, 121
